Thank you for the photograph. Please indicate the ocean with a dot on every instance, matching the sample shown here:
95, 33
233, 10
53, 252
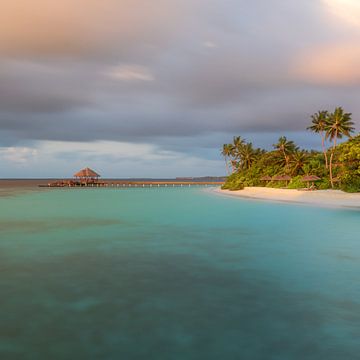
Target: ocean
175, 273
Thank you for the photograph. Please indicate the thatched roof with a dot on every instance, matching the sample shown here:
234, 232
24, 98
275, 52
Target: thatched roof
86, 173
310, 178
281, 178
266, 178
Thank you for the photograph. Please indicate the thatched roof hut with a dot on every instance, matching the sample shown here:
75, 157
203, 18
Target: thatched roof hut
310, 178
281, 178
285, 178
87, 173
266, 178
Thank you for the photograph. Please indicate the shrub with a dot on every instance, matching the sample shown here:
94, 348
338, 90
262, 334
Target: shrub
350, 183
234, 182
297, 183
324, 184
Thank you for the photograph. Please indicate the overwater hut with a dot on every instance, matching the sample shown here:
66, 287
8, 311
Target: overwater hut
310, 178
87, 176
285, 178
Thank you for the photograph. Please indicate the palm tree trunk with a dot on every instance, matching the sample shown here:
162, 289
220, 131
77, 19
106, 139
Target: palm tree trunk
232, 166
330, 168
227, 165
286, 159
331, 161
324, 151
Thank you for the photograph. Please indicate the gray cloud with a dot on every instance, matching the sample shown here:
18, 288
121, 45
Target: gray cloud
163, 72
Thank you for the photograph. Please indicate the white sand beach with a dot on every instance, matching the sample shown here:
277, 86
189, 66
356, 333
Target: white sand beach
325, 198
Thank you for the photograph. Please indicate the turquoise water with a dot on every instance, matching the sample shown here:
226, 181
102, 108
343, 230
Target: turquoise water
175, 274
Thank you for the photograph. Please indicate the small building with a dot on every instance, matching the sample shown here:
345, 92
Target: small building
266, 179
87, 176
310, 178
285, 178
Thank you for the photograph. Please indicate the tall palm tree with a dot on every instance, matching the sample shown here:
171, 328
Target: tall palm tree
319, 121
338, 124
226, 152
286, 148
237, 146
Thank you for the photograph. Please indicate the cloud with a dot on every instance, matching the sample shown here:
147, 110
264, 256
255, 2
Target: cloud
329, 65
180, 75
346, 10
18, 155
209, 44
111, 159
113, 151
42, 86
131, 73
85, 28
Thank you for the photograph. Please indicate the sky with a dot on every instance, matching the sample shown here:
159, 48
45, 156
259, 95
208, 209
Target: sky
154, 88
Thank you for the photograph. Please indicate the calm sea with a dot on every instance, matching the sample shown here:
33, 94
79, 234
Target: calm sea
175, 274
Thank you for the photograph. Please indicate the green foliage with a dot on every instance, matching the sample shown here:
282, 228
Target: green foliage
338, 124
250, 165
319, 122
297, 183
233, 182
350, 183
324, 184
276, 184
349, 157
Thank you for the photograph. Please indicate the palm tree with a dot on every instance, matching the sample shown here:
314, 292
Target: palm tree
298, 161
337, 125
226, 152
307, 169
248, 155
237, 146
319, 121
285, 147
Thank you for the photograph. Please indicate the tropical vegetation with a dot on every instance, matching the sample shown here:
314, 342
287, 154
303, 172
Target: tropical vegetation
337, 165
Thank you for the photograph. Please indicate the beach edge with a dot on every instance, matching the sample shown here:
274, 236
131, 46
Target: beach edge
319, 198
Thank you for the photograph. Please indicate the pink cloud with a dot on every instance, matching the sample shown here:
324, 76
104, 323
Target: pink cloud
336, 64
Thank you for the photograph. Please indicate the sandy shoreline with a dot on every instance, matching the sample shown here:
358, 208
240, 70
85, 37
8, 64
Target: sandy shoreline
322, 198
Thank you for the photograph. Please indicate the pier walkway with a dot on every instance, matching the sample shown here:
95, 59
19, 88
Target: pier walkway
130, 184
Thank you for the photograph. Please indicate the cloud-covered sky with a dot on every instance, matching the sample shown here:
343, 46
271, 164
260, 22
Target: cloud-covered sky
153, 88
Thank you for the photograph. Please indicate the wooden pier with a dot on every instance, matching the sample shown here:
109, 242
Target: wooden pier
88, 178
128, 184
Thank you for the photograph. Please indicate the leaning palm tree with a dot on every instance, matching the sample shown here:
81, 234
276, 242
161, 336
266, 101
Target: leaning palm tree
319, 121
338, 124
285, 147
226, 152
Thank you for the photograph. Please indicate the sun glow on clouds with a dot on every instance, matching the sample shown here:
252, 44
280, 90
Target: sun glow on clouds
131, 73
347, 10
337, 63
329, 65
